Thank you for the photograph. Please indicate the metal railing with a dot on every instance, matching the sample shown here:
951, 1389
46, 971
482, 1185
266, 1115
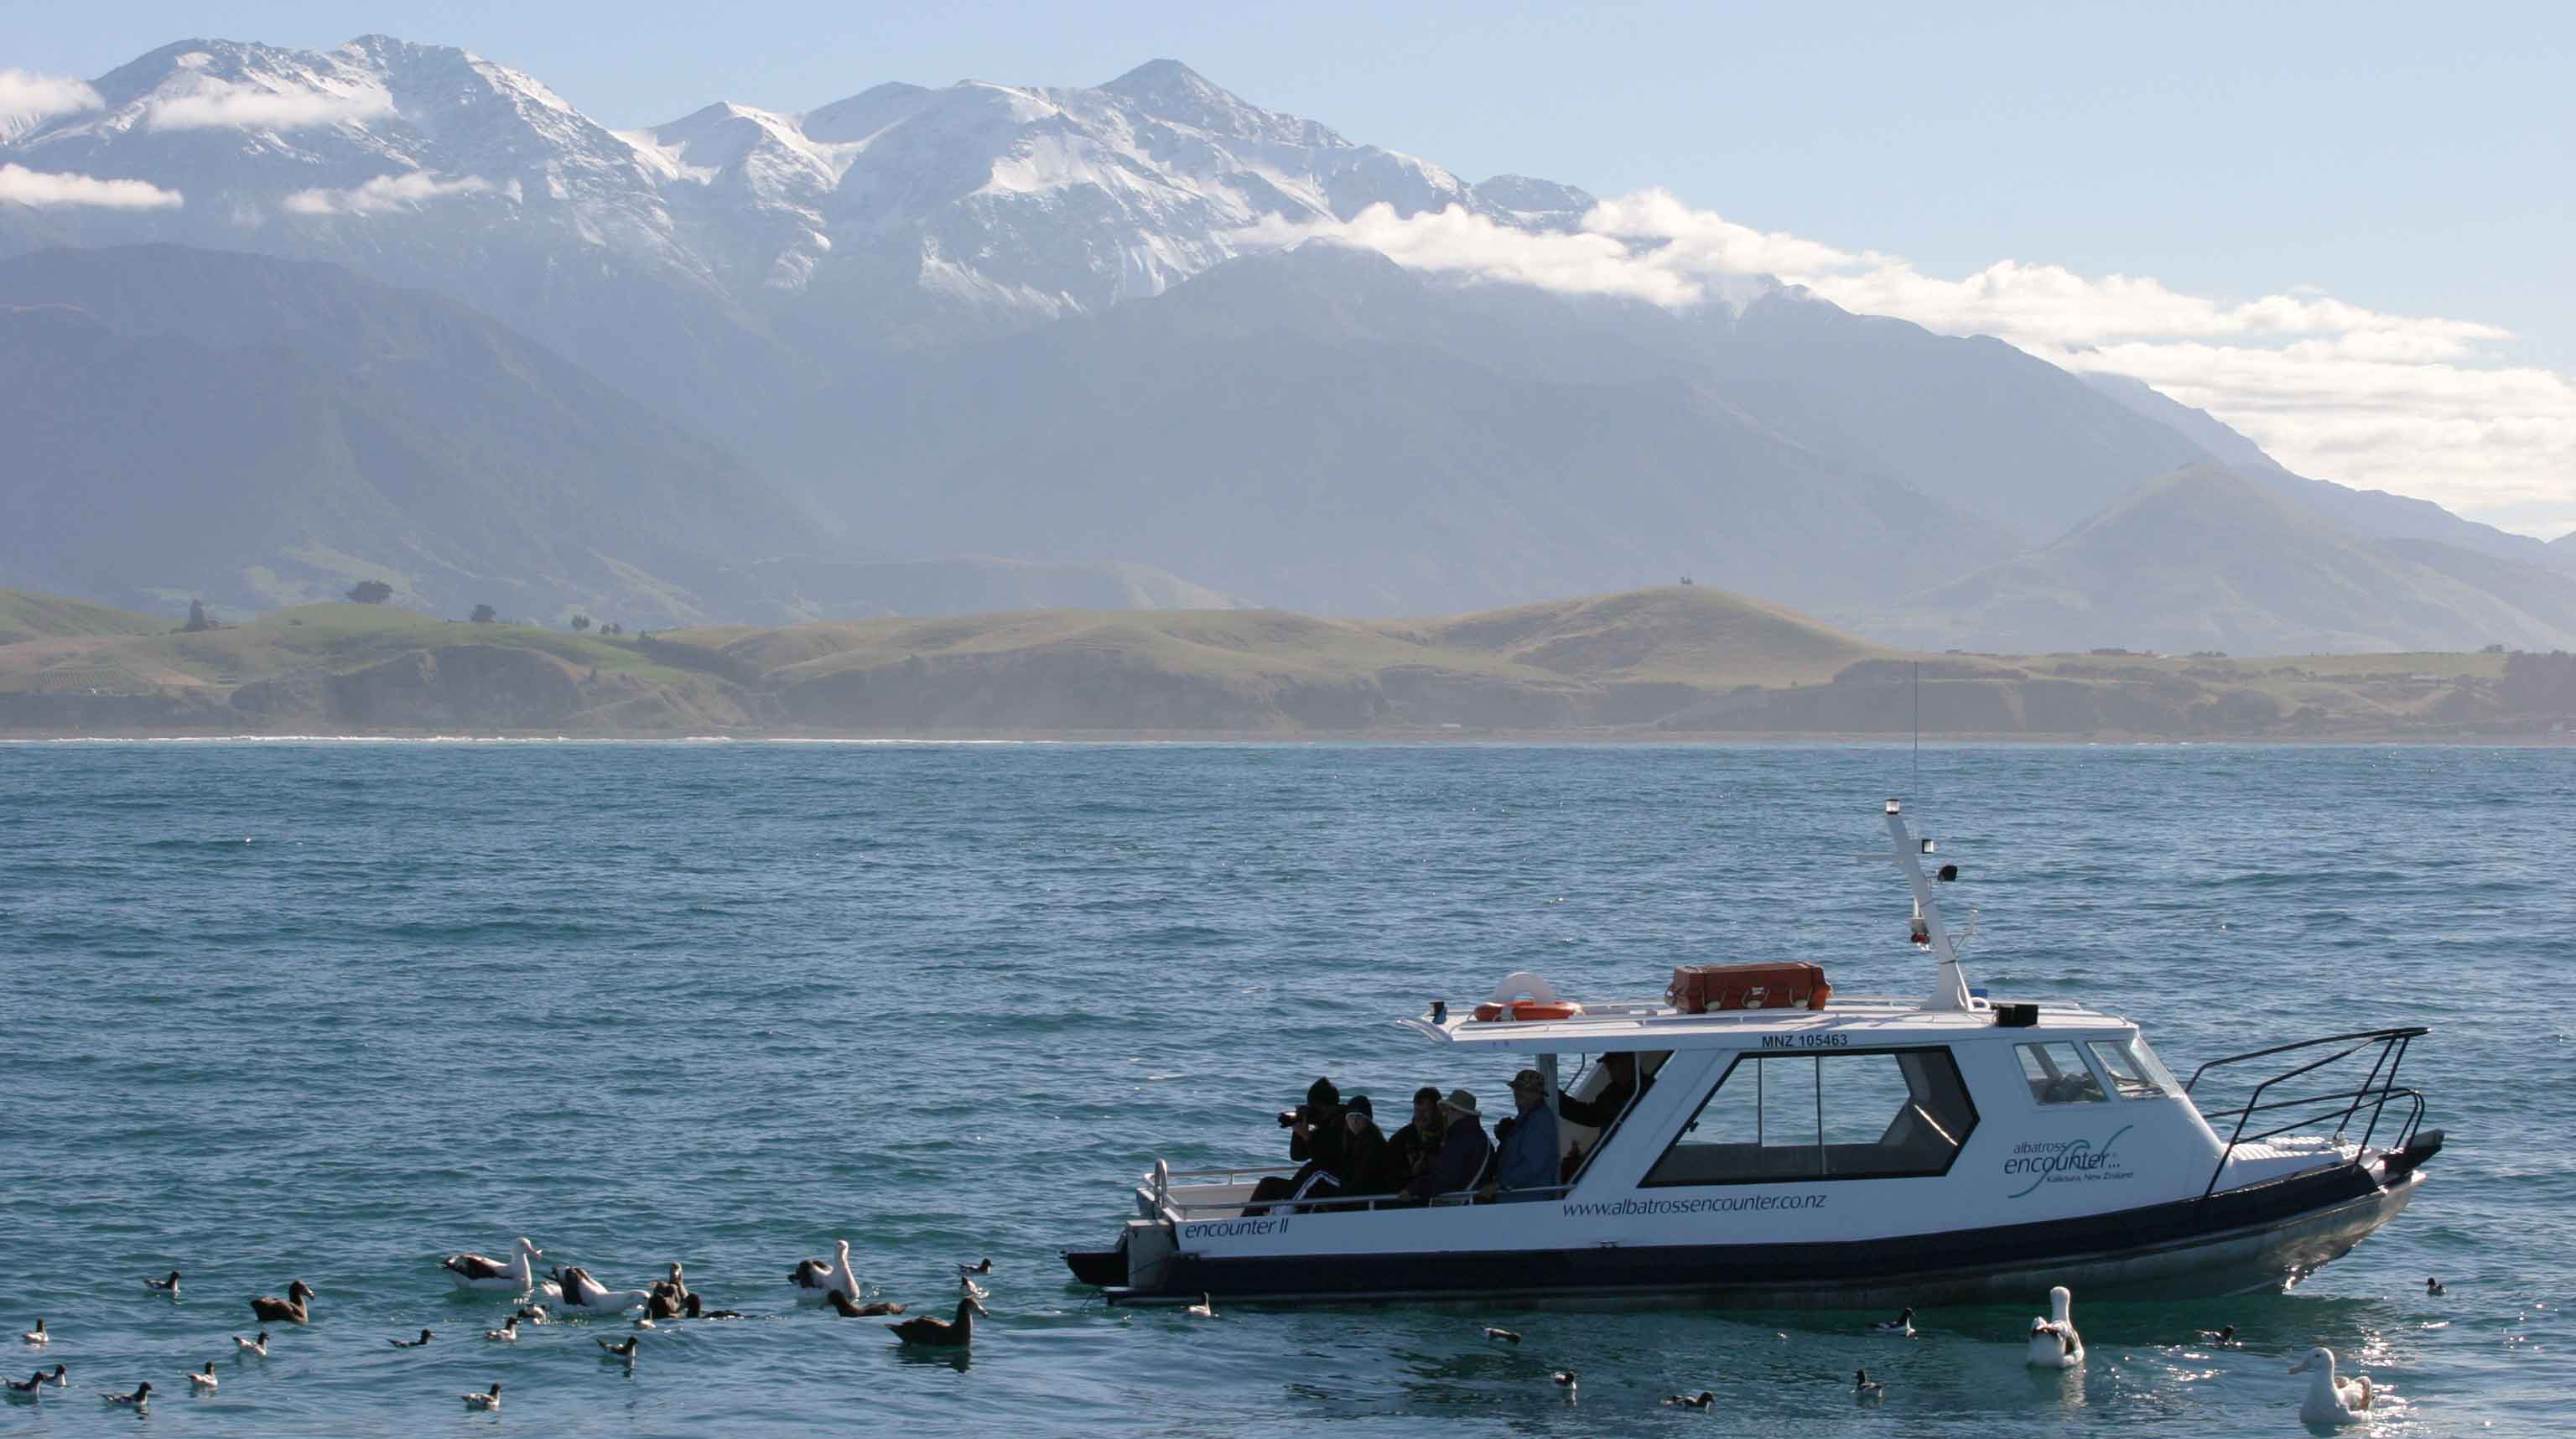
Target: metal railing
2376, 1091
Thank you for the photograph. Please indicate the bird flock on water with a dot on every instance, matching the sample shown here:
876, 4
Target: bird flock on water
575, 1294
2054, 1341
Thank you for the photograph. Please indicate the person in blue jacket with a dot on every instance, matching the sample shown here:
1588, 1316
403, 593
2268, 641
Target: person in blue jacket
1528, 1141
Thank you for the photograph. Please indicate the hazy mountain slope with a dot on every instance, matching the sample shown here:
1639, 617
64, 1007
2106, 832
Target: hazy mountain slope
836, 589
2562, 550
257, 431
2367, 512
32, 615
2206, 559
1689, 633
1325, 430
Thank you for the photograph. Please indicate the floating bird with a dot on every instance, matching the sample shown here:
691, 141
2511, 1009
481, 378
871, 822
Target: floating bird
204, 1378
141, 1396
2432, 1286
1701, 1400
943, 1333
508, 1333
1902, 1326
61, 1380
969, 1286
697, 1311
490, 1399
986, 1267
255, 1347
580, 1291
295, 1308
38, 1335
25, 1390
1507, 1336
169, 1286
623, 1349
2054, 1344
1563, 1379
842, 1306
2331, 1400
820, 1278
2226, 1335
1204, 1309
1864, 1387
533, 1313
515, 1275
664, 1303
410, 1343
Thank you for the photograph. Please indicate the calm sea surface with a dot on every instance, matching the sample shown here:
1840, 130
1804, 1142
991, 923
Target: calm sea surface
330, 1011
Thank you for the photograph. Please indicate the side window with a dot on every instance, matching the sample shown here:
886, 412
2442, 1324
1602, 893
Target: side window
1776, 1118
2058, 1075
2134, 1070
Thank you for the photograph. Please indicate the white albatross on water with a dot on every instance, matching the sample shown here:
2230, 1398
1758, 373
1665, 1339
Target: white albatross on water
2054, 1344
817, 1278
2331, 1400
489, 1399
515, 1275
204, 1378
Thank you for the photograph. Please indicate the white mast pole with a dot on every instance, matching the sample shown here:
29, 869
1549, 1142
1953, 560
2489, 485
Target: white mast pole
1950, 990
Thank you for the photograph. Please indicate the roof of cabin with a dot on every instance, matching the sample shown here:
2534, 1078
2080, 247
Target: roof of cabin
1654, 1026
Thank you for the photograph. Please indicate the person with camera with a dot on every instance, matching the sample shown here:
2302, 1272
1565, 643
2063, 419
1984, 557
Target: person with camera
1317, 1139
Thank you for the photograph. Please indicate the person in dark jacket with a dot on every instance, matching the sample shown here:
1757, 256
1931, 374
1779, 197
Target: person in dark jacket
1316, 1138
1409, 1150
1364, 1150
1463, 1149
1604, 1108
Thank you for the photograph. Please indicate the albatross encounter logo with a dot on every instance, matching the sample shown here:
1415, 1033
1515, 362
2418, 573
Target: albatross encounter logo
2065, 1162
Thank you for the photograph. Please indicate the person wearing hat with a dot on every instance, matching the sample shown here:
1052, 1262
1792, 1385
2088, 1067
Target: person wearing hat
1409, 1150
1463, 1149
1527, 1157
1364, 1149
1316, 1140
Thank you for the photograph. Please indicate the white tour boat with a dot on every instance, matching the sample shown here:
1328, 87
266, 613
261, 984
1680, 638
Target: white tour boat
1846, 1152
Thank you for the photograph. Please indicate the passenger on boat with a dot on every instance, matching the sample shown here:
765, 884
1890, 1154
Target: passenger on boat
1603, 1108
1364, 1151
1463, 1149
1526, 1142
1316, 1138
1409, 1150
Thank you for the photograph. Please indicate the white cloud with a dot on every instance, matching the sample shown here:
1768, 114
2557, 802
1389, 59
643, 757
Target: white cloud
233, 108
44, 188
383, 195
2419, 405
27, 99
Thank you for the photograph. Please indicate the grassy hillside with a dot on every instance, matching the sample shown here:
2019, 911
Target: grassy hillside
27, 615
1671, 662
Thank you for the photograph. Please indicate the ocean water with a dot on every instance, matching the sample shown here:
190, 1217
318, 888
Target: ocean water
329, 1011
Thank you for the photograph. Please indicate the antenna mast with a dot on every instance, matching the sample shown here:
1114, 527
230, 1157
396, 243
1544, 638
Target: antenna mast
1950, 989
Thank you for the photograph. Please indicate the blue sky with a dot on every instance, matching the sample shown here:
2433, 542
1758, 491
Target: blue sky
2410, 163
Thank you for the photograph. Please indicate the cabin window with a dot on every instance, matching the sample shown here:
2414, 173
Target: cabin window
1853, 1114
2059, 1075
2133, 1068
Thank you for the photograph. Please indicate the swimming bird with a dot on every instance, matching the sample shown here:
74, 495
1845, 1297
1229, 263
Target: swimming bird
38, 1335
2226, 1335
257, 1348
2331, 1400
696, 1310
61, 1380
986, 1267
508, 1333
969, 1286
943, 1333
1204, 1309
295, 1308
490, 1399
1902, 1326
2432, 1286
623, 1349
663, 1303
533, 1313
2054, 1344
819, 1278
1864, 1387
1701, 1400
141, 1396
580, 1291
169, 1286
411, 1343
1507, 1336
842, 1306
204, 1378
1564, 1379
516, 1275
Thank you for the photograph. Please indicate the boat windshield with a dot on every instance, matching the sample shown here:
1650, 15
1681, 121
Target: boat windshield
2135, 1071
2059, 1075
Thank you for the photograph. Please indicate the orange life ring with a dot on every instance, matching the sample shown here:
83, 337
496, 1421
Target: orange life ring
1528, 1009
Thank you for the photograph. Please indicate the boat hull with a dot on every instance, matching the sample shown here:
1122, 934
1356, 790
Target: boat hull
2263, 1237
